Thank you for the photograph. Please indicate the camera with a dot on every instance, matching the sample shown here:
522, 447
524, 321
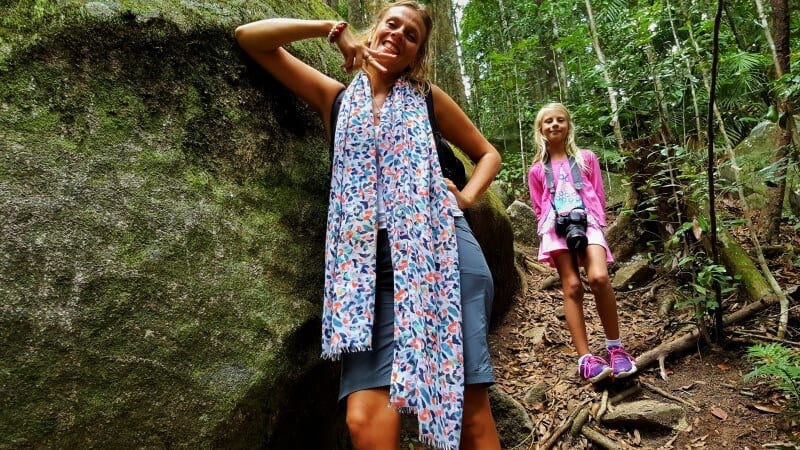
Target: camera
571, 225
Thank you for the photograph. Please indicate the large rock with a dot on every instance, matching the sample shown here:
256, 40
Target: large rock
163, 205
523, 222
754, 157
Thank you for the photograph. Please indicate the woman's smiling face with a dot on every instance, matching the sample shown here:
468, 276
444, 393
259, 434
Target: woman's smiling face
400, 32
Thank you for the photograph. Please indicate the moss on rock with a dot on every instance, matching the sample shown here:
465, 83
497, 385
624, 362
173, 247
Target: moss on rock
163, 222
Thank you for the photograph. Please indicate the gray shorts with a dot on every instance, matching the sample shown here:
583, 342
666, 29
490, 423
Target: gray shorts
372, 369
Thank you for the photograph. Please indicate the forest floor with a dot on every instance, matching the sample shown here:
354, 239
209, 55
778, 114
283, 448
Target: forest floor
532, 347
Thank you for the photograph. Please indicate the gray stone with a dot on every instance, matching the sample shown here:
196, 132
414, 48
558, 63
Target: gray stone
523, 222
632, 274
536, 394
513, 422
647, 414
503, 192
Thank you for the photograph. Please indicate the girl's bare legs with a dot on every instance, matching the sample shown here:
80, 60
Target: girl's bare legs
597, 272
567, 268
479, 430
372, 424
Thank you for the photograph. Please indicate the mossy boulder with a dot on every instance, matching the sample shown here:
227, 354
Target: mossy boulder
163, 207
754, 157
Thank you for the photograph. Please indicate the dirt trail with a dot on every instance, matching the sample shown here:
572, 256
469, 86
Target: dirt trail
533, 347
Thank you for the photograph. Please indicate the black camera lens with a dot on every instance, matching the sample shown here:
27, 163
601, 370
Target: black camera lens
572, 226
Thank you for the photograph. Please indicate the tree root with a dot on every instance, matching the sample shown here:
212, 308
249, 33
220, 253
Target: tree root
666, 394
562, 428
691, 339
576, 420
599, 438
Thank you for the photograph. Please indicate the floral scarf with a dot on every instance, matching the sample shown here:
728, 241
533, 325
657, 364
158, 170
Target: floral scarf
427, 369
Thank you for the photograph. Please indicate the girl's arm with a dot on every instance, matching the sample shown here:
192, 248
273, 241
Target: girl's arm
264, 40
461, 132
536, 187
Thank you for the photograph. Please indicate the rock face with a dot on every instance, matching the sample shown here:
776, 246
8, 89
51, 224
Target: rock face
163, 205
523, 222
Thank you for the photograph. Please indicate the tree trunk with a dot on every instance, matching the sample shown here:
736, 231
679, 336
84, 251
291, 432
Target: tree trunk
742, 199
558, 62
334, 4
517, 99
688, 76
769, 227
612, 94
357, 14
444, 51
663, 112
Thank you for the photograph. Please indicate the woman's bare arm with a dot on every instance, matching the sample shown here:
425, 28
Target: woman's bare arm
457, 128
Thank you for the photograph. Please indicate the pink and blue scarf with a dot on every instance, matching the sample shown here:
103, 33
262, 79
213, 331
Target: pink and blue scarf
427, 369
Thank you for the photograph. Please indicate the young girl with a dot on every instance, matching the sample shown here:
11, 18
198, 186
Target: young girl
574, 184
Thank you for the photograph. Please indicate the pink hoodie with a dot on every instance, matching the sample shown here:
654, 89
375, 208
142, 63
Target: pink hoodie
592, 194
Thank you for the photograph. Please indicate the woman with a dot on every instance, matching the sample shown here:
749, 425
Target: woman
407, 291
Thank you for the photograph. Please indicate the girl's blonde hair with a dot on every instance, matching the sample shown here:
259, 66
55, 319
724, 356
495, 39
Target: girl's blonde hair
417, 74
541, 142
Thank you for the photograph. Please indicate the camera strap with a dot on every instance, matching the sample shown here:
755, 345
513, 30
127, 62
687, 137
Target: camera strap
577, 179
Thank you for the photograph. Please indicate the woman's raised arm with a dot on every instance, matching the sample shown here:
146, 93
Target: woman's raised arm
264, 40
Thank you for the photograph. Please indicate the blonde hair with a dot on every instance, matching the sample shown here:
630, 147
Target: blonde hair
418, 73
541, 142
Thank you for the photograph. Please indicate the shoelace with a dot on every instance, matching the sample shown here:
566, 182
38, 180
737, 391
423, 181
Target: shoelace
618, 354
589, 363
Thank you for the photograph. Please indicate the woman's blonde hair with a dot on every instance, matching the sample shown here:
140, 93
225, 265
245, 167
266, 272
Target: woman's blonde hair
541, 142
418, 73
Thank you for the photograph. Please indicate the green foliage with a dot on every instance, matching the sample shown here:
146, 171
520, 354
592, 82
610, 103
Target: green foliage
708, 279
778, 363
519, 55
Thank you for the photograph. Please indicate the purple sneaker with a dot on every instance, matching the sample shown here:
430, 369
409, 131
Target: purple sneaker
624, 365
594, 368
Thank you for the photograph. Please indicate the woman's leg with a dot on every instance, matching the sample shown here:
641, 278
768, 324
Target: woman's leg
372, 424
479, 431
567, 268
597, 272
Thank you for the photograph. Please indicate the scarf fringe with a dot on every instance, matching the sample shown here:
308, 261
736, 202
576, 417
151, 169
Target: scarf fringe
335, 354
428, 441
431, 442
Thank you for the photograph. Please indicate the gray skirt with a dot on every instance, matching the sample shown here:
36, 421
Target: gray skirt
372, 369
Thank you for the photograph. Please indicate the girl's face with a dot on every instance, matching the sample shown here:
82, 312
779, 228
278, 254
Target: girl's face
554, 126
400, 32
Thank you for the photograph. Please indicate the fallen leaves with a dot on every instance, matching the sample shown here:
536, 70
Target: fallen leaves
718, 412
772, 409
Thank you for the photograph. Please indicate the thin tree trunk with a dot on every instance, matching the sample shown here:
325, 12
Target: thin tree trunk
779, 71
446, 66
688, 74
719, 331
612, 94
357, 14
663, 112
558, 60
779, 47
517, 106
773, 208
